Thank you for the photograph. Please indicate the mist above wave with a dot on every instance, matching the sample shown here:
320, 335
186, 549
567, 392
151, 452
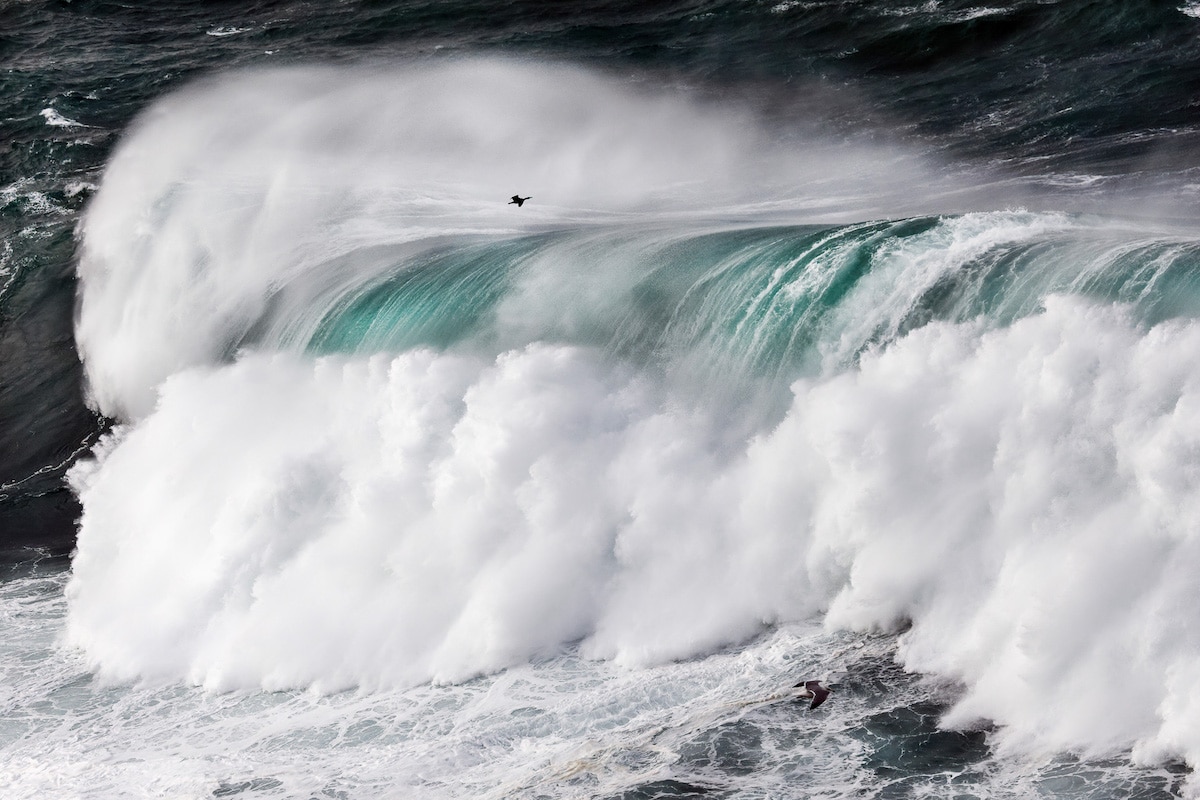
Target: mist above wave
231, 191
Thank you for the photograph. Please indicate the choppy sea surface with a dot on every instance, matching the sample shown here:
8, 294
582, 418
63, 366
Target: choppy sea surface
841, 340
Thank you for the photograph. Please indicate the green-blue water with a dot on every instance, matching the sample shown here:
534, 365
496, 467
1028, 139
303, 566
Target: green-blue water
780, 302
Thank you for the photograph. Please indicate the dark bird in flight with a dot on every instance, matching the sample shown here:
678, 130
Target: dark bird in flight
520, 201
813, 690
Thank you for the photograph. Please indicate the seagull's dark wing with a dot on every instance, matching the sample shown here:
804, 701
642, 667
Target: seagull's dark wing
819, 693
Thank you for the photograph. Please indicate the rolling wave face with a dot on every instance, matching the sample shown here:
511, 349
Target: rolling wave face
282, 186
363, 210
764, 302
376, 433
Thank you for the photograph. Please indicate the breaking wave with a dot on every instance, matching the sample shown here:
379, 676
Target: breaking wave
379, 429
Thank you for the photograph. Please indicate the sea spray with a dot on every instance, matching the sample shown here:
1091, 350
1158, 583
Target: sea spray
1019, 497
227, 195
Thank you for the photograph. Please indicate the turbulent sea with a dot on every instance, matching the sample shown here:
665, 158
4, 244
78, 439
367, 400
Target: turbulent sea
846, 340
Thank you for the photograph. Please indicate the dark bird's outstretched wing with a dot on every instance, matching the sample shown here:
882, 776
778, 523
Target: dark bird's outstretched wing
819, 693
813, 690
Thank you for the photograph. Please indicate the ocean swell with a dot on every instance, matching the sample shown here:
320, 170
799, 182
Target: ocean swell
378, 429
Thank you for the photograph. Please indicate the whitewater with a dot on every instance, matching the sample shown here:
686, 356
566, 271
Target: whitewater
416, 494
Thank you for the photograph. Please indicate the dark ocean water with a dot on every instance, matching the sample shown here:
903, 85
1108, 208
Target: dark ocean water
845, 339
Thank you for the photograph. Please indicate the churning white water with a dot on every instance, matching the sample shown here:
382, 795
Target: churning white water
385, 522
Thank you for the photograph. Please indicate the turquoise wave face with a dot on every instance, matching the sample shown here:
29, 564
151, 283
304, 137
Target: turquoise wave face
438, 299
770, 301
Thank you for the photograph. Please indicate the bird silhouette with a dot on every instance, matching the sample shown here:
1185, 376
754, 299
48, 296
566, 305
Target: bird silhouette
813, 690
520, 201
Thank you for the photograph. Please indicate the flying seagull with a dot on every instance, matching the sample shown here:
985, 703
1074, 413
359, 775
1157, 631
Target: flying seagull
813, 690
520, 201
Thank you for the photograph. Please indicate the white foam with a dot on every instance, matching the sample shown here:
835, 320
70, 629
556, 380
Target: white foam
227, 30
57, 120
1026, 498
